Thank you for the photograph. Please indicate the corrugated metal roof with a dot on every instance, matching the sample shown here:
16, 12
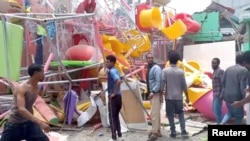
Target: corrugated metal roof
235, 4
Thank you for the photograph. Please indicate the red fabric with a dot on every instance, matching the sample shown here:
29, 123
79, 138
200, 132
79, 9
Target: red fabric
84, 84
86, 6
209, 74
78, 37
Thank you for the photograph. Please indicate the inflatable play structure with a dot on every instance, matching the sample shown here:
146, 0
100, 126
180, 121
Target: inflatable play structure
199, 89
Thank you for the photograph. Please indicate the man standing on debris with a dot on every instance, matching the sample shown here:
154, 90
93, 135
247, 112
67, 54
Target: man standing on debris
154, 74
22, 124
234, 83
115, 98
217, 89
175, 84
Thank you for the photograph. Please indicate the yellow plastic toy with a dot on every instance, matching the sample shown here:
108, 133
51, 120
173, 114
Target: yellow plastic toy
136, 43
195, 93
197, 80
176, 30
179, 64
194, 64
113, 46
147, 104
151, 18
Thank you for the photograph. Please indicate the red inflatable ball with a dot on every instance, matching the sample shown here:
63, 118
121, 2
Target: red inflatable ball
80, 53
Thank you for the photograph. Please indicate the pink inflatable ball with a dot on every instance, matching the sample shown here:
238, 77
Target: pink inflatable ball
205, 103
80, 52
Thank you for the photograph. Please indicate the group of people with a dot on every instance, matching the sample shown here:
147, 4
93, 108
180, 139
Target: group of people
231, 86
169, 83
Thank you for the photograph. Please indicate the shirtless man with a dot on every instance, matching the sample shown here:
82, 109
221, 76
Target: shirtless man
22, 124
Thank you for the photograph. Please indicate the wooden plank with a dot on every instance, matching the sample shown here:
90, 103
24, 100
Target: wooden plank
40, 117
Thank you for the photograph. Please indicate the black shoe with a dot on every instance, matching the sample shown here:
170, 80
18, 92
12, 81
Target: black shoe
173, 135
184, 133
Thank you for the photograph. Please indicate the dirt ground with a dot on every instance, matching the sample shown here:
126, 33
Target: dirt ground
104, 134
133, 135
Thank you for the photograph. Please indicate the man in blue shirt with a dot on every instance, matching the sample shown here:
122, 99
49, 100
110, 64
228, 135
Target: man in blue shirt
115, 99
154, 73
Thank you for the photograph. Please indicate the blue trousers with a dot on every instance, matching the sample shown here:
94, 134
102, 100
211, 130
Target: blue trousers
237, 113
217, 109
28, 131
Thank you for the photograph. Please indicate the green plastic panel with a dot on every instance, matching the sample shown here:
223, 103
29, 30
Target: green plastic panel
14, 42
210, 27
245, 47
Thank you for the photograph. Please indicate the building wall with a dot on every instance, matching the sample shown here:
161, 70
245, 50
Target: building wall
238, 5
235, 4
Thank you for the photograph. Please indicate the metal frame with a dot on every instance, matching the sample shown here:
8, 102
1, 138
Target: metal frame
48, 17
53, 17
55, 47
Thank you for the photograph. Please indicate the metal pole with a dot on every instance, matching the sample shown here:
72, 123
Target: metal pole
46, 14
83, 26
49, 19
141, 84
49, 74
112, 19
78, 69
21, 17
248, 27
67, 17
6, 55
134, 72
67, 81
26, 77
57, 53
26, 32
64, 70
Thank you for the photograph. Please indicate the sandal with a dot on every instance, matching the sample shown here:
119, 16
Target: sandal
158, 135
152, 138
